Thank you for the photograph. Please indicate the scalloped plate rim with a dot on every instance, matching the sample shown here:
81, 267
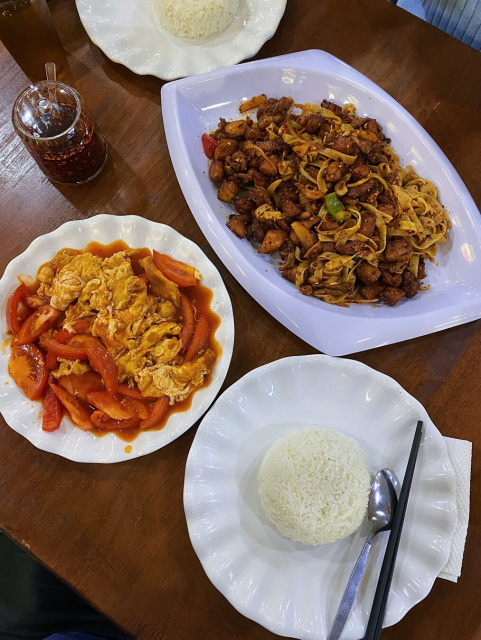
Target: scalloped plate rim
211, 391
236, 56
215, 576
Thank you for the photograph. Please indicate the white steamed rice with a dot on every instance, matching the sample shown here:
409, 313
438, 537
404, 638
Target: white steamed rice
195, 18
314, 485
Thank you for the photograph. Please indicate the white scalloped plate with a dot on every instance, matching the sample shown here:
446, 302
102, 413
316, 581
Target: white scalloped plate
24, 416
128, 32
292, 589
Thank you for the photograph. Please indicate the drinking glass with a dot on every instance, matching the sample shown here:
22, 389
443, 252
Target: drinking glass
28, 32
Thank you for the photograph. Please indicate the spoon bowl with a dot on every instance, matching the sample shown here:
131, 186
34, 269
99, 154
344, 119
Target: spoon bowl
380, 508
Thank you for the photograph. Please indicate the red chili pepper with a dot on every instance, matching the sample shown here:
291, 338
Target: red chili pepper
209, 144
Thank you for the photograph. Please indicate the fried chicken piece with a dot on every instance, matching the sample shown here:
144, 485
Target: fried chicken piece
290, 208
397, 250
236, 129
269, 166
216, 171
313, 123
335, 171
332, 106
391, 295
357, 122
227, 191
290, 274
260, 179
360, 189
410, 284
371, 291
237, 224
388, 208
328, 224
359, 169
391, 279
254, 133
225, 148
367, 273
236, 163
273, 240
342, 144
274, 111
256, 230
244, 205
368, 223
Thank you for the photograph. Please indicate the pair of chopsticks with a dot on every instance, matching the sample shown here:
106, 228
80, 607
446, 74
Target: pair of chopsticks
374, 625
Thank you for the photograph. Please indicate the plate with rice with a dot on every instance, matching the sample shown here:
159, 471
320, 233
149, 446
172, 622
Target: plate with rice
276, 489
171, 39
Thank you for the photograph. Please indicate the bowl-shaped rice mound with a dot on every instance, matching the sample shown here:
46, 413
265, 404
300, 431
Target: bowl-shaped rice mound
314, 485
196, 19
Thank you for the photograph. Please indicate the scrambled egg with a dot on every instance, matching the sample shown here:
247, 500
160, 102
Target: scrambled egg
140, 330
175, 381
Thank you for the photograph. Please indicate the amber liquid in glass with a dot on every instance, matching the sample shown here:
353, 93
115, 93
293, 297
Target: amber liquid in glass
28, 32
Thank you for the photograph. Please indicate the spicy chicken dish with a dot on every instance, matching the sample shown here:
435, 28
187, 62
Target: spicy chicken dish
324, 188
115, 338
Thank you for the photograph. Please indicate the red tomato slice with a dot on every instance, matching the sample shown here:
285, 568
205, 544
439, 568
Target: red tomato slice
12, 307
179, 272
65, 350
102, 361
79, 386
209, 143
52, 411
77, 413
113, 407
158, 412
63, 336
39, 322
185, 335
136, 408
103, 422
132, 392
200, 339
51, 361
27, 368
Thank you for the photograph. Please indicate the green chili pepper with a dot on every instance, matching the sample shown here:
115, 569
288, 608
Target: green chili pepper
335, 207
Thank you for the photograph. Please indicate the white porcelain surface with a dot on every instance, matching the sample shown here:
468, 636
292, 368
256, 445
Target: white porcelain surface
192, 106
292, 589
128, 32
25, 416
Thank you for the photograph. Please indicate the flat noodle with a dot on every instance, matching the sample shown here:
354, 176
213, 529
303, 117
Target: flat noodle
348, 157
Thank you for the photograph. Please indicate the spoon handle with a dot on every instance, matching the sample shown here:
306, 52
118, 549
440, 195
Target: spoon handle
351, 590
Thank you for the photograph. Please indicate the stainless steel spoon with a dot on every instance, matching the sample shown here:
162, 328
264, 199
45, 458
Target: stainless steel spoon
380, 512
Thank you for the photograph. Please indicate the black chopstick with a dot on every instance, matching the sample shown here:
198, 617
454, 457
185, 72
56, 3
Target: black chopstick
374, 625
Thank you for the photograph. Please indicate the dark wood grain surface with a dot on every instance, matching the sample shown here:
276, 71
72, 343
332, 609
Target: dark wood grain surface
117, 533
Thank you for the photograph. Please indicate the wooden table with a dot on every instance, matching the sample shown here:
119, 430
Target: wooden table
117, 533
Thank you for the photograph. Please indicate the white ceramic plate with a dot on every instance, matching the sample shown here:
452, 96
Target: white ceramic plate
194, 105
128, 32
293, 589
25, 416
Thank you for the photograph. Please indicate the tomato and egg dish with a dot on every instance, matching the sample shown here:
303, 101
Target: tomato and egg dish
118, 338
